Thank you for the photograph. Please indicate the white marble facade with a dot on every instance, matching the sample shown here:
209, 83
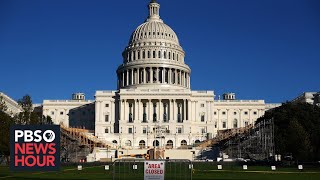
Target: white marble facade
154, 91
154, 103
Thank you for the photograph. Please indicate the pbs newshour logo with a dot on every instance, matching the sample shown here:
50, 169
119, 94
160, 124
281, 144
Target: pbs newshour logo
35, 147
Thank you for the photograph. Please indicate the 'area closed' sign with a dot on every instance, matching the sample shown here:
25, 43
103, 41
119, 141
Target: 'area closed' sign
154, 170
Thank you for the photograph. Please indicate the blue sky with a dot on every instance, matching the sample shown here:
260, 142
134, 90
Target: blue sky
258, 49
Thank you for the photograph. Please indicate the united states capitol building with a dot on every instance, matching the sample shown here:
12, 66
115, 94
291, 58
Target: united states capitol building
154, 97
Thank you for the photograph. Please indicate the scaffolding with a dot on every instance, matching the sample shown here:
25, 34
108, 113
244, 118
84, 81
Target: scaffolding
77, 143
257, 143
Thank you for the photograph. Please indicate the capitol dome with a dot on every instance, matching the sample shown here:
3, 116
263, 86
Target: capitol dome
153, 30
153, 57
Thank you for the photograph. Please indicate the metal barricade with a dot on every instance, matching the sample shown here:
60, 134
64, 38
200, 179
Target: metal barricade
133, 169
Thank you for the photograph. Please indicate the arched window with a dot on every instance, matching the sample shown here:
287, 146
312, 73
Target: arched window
170, 144
143, 55
115, 142
154, 54
149, 54
156, 143
197, 141
165, 55
142, 144
159, 54
177, 57
134, 55
173, 56
128, 143
183, 143
139, 55
169, 55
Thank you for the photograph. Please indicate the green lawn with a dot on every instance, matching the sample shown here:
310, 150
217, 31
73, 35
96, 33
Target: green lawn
201, 171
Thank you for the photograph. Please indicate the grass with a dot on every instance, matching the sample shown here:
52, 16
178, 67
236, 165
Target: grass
201, 172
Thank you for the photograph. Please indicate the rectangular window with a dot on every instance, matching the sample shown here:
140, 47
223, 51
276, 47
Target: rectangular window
107, 118
52, 112
224, 125
215, 113
202, 118
202, 105
106, 130
203, 130
235, 113
107, 105
223, 113
144, 131
130, 130
246, 123
179, 130
246, 112
255, 112
61, 113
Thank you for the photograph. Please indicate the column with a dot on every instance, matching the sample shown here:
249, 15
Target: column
160, 110
170, 110
127, 83
139, 109
182, 78
150, 110
169, 76
132, 77
189, 84
163, 75
157, 75
151, 75
144, 76
135, 110
124, 109
138, 76
122, 83
184, 110
174, 110
176, 77
189, 110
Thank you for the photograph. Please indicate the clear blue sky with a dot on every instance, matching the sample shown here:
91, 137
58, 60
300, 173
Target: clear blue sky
258, 49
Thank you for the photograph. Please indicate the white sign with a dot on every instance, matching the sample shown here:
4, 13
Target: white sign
154, 170
245, 167
219, 167
134, 166
273, 168
300, 167
79, 168
106, 167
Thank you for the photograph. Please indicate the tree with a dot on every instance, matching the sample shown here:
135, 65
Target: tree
27, 116
5, 121
296, 130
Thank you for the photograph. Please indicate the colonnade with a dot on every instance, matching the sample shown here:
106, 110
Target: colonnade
154, 110
150, 75
151, 54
